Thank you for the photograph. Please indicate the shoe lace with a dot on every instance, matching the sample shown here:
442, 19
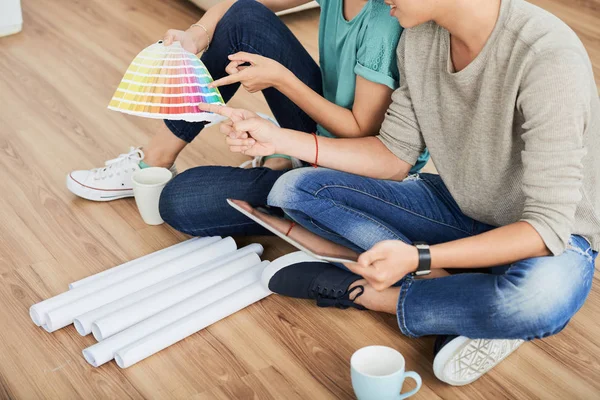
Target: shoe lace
120, 164
328, 297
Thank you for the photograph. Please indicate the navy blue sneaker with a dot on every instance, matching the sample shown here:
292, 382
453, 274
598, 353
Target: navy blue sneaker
304, 277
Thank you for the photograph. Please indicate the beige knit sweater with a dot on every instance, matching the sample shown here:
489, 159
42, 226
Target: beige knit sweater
515, 135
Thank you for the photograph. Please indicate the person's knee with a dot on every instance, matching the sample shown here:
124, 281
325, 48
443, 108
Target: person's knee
294, 187
172, 205
244, 12
183, 207
540, 300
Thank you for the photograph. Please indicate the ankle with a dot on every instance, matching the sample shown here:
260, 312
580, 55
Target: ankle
158, 159
384, 301
278, 163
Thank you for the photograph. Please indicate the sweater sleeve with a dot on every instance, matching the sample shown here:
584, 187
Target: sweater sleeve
555, 101
400, 131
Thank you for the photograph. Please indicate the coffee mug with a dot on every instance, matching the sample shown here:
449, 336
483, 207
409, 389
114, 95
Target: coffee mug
148, 184
378, 374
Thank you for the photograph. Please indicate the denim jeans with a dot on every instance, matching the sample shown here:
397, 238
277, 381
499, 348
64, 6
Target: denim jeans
251, 27
194, 202
528, 299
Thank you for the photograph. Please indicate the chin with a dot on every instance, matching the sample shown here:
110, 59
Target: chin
407, 22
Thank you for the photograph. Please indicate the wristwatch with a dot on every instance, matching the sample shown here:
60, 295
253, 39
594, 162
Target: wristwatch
424, 267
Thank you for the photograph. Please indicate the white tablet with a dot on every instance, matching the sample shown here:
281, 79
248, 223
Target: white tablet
336, 258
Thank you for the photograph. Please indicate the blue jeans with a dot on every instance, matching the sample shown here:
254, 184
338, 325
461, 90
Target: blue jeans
528, 299
251, 27
194, 202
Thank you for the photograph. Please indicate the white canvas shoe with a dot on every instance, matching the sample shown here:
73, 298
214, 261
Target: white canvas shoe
111, 182
461, 360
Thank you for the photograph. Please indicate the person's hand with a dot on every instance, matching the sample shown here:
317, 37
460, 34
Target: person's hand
190, 40
386, 263
262, 73
247, 133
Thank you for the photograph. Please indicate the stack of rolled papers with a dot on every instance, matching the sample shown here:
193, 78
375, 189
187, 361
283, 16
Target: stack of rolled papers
143, 306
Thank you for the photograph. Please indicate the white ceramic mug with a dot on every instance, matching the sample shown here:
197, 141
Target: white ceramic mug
378, 374
148, 184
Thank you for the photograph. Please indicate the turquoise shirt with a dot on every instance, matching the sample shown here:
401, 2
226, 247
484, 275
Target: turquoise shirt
365, 46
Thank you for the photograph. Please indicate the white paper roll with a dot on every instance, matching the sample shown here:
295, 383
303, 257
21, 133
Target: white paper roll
83, 323
172, 252
191, 324
60, 317
201, 279
38, 311
104, 351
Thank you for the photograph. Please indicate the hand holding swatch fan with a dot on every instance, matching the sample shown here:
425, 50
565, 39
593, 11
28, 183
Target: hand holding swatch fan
166, 82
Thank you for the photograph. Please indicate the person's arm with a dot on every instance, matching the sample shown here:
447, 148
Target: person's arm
371, 100
195, 39
377, 77
360, 156
555, 102
364, 119
251, 135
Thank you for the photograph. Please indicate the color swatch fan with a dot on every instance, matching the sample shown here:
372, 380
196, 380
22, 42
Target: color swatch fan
166, 82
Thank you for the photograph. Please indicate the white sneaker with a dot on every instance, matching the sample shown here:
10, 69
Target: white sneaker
111, 182
462, 360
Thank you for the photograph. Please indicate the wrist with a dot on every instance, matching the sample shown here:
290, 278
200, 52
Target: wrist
413, 259
283, 81
199, 37
281, 141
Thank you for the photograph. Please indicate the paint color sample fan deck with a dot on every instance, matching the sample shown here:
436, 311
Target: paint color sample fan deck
166, 82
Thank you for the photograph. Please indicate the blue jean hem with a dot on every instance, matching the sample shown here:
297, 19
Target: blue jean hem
400, 312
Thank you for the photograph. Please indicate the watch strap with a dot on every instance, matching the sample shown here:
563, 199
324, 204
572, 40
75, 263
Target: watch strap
424, 266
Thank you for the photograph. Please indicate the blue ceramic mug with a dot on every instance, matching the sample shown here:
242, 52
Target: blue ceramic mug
378, 374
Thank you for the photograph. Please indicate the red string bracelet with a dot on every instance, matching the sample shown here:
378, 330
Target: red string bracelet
291, 227
316, 164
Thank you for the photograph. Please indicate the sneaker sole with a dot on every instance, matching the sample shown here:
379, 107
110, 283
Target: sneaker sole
89, 193
463, 360
285, 261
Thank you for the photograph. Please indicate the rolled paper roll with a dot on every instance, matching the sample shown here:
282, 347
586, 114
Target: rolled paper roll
190, 324
104, 351
62, 316
38, 311
83, 323
202, 279
164, 255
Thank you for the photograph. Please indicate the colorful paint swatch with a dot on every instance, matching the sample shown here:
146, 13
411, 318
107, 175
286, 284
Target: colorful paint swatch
166, 82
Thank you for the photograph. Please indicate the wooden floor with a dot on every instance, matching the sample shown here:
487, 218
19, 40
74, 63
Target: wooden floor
56, 79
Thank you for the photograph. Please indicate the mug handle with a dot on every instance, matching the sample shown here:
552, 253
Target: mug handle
417, 378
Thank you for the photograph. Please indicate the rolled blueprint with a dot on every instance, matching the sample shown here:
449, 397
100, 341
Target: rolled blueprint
161, 256
191, 324
64, 315
105, 350
128, 316
83, 323
39, 311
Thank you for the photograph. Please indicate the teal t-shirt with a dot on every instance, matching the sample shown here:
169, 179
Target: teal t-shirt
365, 46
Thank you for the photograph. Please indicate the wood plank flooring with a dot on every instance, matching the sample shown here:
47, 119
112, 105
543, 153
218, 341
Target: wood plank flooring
56, 78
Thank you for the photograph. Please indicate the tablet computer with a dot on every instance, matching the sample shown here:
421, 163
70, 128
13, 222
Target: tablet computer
336, 258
